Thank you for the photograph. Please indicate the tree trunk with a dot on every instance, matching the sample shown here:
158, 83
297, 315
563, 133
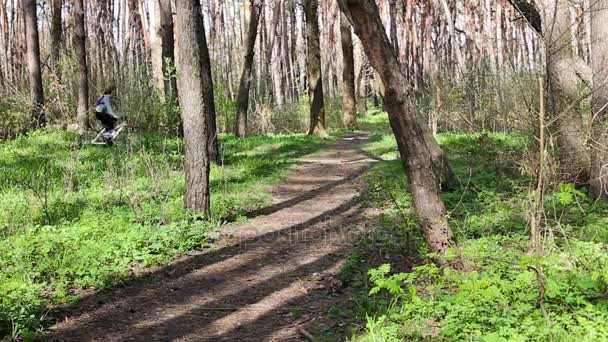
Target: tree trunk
192, 82
82, 117
209, 99
392, 10
349, 118
416, 154
363, 84
168, 48
315, 81
240, 125
56, 30
599, 65
566, 72
33, 62
452, 32
156, 46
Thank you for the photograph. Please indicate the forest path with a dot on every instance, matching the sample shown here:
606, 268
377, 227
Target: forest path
263, 281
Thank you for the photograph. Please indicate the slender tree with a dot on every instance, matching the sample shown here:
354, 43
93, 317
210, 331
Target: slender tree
33, 62
83, 76
349, 118
168, 47
192, 85
56, 29
416, 155
599, 64
240, 125
315, 80
210, 113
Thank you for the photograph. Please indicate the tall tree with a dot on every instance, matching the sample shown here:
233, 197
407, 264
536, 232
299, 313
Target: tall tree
83, 76
392, 10
315, 81
168, 47
349, 118
192, 84
209, 108
56, 29
416, 155
33, 62
599, 65
162, 45
565, 71
240, 124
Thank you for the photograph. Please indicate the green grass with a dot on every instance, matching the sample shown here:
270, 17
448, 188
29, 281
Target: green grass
496, 301
76, 216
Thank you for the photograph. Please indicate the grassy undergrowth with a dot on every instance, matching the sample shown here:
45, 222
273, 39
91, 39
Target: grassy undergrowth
75, 217
497, 300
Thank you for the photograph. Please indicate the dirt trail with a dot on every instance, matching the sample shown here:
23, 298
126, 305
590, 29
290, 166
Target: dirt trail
267, 278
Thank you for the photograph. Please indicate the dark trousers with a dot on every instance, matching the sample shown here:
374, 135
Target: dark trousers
107, 120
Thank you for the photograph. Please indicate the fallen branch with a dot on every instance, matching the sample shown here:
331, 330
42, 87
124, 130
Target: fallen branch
307, 335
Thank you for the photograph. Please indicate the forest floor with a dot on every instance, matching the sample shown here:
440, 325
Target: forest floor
270, 278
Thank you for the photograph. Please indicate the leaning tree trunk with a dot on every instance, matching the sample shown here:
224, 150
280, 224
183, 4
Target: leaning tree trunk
349, 118
416, 154
83, 77
33, 62
240, 124
315, 81
192, 83
599, 65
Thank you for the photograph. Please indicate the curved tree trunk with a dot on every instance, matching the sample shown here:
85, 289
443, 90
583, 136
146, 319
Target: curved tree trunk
193, 86
315, 81
416, 154
240, 124
349, 118
599, 64
82, 117
33, 62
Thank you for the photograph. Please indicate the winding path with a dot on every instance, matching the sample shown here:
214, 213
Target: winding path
263, 281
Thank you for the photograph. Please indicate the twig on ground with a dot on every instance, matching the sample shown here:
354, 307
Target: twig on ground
307, 335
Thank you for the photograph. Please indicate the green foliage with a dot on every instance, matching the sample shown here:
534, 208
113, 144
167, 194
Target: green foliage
75, 217
497, 299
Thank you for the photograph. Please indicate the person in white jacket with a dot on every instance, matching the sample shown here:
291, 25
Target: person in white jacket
105, 113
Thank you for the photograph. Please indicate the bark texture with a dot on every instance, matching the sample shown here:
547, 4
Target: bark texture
33, 62
192, 85
349, 118
315, 81
565, 71
209, 99
168, 48
82, 117
56, 30
599, 65
416, 154
240, 125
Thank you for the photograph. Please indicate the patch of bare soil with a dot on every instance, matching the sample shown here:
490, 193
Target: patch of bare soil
265, 280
